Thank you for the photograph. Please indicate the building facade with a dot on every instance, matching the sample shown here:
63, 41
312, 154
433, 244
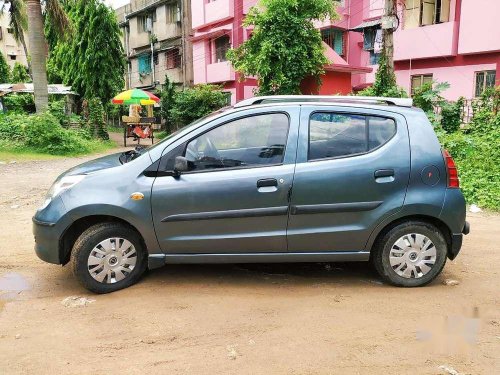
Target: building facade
156, 42
454, 41
11, 50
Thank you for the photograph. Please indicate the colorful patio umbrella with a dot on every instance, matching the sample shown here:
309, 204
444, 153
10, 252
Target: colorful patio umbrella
135, 96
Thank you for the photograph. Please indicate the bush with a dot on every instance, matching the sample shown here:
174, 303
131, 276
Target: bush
19, 103
194, 103
476, 149
43, 133
451, 115
478, 160
57, 109
428, 96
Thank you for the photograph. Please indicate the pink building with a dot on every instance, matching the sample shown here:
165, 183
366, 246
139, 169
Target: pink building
457, 41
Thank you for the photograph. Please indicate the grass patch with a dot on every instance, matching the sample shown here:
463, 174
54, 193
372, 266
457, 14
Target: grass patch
16, 152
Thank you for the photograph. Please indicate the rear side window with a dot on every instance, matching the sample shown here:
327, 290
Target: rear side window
334, 135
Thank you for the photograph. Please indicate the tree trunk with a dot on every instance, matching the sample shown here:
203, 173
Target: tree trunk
26, 53
388, 34
38, 46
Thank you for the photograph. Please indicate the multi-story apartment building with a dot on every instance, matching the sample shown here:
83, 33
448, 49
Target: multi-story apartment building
455, 41
156, 43
11, 50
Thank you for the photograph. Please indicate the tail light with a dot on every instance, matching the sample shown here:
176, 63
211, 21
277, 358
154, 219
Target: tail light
451, 170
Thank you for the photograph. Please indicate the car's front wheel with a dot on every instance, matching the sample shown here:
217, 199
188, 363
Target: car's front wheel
411, 254
108, 257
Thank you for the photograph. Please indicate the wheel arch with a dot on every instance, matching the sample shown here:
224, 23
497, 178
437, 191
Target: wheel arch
80, 225
383, 229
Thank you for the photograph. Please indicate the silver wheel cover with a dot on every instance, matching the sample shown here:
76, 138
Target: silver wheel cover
412, 256
112, 260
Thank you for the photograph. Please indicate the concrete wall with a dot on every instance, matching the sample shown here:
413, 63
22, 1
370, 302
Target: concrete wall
174, 75
139, 40
479, 26
209, 12
12, 51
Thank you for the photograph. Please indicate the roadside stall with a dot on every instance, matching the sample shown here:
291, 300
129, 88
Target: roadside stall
140, 122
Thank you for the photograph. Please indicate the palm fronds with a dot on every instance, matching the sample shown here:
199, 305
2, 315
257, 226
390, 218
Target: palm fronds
58, 17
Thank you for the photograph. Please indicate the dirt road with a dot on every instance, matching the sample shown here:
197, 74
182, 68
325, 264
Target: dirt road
241, 319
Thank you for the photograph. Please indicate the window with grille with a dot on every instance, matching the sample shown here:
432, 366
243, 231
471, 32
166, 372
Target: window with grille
484, 80
335, 39
222, 44
173, 13
172, 59
144, 63
145, 22
419, 80
425, 12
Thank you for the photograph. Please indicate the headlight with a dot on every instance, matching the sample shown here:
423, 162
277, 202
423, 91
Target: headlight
61, 185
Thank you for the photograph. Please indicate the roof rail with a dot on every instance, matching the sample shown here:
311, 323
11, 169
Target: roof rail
400, 102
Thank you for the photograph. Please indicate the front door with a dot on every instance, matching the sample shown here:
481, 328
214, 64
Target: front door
352, 171
234, 199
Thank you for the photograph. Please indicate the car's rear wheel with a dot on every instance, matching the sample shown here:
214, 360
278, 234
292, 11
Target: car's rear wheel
108, 257
411, 254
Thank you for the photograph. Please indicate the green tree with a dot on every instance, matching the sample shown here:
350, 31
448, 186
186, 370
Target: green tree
19, 74
4, 70
285, 47
92, 61
167, 102
194, 103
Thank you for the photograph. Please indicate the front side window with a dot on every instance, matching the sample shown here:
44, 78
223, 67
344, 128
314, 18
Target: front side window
334, 135
250, 141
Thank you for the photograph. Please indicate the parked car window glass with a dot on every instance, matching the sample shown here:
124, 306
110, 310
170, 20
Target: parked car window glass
336, 135
250, 141
332, 135
380, 130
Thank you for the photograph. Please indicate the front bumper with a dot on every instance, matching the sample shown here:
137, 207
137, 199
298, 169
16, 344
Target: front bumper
456, 241
46, 241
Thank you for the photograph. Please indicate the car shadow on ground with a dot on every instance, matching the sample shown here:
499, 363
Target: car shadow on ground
274, 273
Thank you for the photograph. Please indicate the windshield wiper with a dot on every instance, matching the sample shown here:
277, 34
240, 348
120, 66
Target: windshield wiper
130, 155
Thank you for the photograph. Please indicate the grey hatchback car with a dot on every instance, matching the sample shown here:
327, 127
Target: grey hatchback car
271, 179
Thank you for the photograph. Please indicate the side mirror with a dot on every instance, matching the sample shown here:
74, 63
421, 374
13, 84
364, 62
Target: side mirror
180, 165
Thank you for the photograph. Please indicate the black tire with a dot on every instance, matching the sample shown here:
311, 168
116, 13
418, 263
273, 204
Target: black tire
383, 245
91, 238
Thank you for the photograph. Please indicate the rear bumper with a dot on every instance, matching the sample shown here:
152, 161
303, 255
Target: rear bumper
456, 241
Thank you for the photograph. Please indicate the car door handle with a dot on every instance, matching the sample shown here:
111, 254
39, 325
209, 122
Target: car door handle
267, 182
384, 173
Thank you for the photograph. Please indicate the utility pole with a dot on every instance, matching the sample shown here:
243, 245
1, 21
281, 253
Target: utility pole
388, 25
187, 45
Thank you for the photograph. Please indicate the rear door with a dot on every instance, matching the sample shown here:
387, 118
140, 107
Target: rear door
352, 171
235, 197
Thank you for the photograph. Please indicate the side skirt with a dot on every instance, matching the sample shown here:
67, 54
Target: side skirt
158, 260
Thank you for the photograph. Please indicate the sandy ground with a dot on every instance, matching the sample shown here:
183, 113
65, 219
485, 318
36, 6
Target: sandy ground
240, 319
